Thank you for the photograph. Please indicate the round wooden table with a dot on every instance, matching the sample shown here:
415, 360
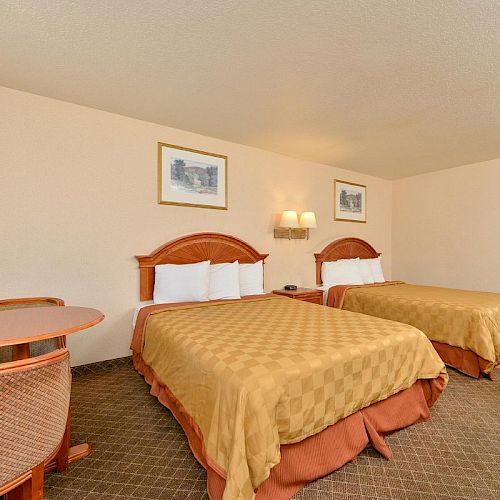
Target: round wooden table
19, 327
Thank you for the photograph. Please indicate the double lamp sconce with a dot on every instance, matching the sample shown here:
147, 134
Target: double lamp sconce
292, 228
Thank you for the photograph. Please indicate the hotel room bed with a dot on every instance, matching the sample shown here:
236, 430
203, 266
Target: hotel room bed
464, 326
273, 393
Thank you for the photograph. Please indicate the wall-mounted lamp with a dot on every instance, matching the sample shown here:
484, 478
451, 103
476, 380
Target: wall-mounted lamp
308, 221
291, 228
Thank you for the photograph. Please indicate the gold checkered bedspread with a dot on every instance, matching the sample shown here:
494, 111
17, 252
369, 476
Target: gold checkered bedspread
461, 318
258, 373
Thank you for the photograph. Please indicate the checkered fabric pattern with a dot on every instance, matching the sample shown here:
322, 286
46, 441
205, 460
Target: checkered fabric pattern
260, 373
461, 318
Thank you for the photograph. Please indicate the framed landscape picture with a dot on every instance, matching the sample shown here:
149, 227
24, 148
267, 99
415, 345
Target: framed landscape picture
349, 201
191, 178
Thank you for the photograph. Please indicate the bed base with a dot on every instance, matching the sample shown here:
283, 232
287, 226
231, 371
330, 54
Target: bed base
467, 362
317, 455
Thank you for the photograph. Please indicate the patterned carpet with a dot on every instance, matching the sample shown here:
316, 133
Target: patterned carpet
139, 450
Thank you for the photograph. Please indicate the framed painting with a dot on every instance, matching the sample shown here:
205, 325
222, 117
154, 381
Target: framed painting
191, 178
349, 201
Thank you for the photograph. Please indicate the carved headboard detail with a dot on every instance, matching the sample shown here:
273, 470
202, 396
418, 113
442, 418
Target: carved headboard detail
344, 248
197, 247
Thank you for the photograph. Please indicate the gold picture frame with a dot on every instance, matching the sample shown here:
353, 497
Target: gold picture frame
349, 201
191, 178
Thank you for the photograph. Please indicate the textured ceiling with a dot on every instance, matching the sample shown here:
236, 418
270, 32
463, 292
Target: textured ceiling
377, 86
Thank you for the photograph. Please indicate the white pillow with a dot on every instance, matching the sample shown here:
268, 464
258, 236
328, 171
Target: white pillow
341, 272
251, 279
181, 283
224, 281
365, 269
378, 274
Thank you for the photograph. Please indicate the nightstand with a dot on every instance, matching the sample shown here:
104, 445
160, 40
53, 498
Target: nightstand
304, 294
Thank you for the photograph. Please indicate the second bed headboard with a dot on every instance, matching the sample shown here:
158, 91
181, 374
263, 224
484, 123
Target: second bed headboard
344, 248
197, 247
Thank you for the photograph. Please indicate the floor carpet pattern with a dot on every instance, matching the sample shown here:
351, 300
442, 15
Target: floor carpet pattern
140, 451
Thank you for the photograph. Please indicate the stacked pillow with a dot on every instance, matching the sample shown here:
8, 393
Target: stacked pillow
224, 281
202, 281
352, 272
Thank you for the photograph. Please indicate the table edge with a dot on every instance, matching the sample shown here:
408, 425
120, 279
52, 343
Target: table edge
50, 335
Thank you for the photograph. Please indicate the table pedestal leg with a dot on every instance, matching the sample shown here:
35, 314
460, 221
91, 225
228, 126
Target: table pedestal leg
67, 454
74, 453
20, 351
62, 457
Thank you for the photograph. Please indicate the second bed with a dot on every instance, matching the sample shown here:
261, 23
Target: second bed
464, 326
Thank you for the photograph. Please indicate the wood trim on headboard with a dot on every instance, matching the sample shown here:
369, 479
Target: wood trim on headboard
344, 248
197, 247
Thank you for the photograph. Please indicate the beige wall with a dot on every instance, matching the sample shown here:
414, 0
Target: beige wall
78, 201
446, 228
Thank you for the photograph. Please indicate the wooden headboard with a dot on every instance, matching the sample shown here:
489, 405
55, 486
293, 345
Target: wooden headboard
197, 247
345, 248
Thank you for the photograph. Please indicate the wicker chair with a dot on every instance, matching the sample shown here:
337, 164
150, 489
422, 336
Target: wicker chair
36, 348
34, 406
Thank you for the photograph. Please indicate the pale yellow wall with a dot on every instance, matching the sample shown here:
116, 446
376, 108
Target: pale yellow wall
78, 201
446, 227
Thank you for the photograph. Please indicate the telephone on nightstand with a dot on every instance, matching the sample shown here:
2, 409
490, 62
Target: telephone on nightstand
290, 287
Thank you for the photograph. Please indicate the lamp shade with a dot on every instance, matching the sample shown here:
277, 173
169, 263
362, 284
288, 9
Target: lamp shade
289, 219
308, 220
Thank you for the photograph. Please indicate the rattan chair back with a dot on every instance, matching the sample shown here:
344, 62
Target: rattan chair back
34, 405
